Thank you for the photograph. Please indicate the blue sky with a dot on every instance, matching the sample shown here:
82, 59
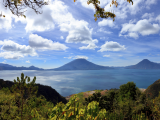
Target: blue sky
67, 30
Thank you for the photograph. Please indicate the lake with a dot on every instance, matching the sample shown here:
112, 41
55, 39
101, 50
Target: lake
73, 82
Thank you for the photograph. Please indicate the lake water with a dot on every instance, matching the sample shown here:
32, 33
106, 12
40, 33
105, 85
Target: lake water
73, 82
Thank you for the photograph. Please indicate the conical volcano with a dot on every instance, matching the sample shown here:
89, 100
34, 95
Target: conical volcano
145, 64
81, 64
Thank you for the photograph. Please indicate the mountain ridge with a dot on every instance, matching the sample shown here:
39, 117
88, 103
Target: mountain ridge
47, 91
11, 67
83, 64
144, 64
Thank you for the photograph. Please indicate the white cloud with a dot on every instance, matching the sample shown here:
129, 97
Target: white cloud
61, 37
149, 16
102, 30
28, 61
120, 55
142, 26
134, 35
111, 46
158, 18
103, 38
106, 55
9, 55
37, 42
4, 61
78, 32
5, 23
90, 46
149, 2
68, 57
44, 61
132, 21
56, 11
107, 22
78, 56
38, 22
15, 51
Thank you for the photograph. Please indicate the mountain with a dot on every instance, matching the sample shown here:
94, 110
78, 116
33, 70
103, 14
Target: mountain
10, 67
154, 89
144, 64
81, 64
48, 92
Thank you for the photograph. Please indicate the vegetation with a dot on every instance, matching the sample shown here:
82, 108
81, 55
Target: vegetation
100, 11
18, 4
127, 103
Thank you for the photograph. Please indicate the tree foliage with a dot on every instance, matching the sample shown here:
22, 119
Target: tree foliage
26, 91
100, 11
129, 87
15, 6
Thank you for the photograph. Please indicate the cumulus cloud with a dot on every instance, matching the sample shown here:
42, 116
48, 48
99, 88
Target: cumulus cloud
78, 32
107, 22
91, 46
61, 37
9, 55
103, 38
132, 21
134, 35
106, 55
149, 2
36, 22
4, 61
158, 18
68, 57
15, 51
79, 56
5, 21
28, 61
102, 30
149, 16
56, 11
142, 26
37, 42
111, 46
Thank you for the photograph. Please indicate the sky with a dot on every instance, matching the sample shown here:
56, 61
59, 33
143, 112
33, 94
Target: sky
66, 30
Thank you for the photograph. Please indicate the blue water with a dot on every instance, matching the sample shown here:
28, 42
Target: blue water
73, 82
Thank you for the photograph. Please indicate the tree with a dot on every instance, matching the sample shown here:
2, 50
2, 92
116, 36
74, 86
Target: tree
13, 4
129, 87
26, 91
100, 11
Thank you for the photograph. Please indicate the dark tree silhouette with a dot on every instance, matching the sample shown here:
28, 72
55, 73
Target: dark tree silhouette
100, 11
12, 4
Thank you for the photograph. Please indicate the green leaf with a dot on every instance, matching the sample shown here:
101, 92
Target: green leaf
24, 16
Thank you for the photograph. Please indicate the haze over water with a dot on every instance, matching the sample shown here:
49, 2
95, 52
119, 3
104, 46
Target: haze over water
73, 82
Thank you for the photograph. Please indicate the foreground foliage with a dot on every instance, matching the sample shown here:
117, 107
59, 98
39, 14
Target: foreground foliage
20, 103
